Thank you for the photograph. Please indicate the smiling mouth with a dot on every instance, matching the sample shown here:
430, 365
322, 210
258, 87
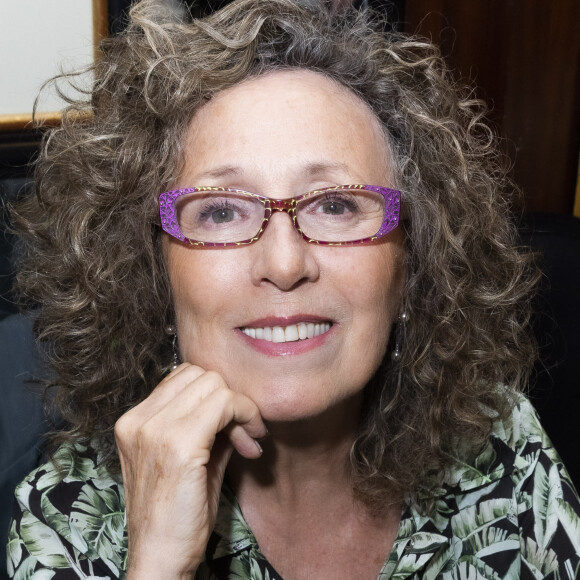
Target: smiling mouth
291, 333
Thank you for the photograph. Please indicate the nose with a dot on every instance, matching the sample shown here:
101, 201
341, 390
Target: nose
282, 257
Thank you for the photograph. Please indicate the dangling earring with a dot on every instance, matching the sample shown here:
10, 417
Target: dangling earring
399, 331
172, 331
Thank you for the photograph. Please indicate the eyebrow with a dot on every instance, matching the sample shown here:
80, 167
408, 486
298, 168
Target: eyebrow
222, 171
314, 169
323, 167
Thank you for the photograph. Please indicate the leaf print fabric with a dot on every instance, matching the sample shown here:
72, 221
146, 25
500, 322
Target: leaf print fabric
71, 522
509, 513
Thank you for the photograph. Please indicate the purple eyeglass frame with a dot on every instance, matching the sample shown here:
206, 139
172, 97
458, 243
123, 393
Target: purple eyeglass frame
170, 225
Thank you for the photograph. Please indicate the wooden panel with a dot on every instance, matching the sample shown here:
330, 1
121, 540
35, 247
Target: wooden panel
524, 57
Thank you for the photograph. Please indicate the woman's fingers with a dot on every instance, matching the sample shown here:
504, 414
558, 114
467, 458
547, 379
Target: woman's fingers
167, 390
182, 420
183, 416
202, 400
216, 468
236, 415
180, 391
243, 443
199, 413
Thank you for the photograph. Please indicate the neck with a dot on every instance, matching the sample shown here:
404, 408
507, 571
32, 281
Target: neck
304, 461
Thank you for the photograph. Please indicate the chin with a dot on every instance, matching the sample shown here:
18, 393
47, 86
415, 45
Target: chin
293, 402
285, 413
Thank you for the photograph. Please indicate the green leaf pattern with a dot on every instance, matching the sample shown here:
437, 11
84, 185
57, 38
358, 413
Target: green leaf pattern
511, 512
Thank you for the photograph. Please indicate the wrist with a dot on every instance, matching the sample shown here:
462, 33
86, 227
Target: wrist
157, 566
159, 573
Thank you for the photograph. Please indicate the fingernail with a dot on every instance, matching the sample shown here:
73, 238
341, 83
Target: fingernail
259, 447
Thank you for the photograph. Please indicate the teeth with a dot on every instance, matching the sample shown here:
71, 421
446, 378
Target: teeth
278, 334
290, 333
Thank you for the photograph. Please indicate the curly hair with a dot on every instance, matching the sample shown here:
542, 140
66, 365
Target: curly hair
91, 236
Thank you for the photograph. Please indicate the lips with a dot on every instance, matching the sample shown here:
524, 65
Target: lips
288, 333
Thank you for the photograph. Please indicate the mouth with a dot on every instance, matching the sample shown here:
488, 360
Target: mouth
290, 333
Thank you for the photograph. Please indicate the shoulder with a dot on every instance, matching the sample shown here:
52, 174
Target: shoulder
517, 447
548, 506
67, 480
70, 465
524, 448
516, 499
69, 509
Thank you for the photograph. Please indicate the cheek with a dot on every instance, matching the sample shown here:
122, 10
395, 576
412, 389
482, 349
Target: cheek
374, 285
384, 309
194, 278
199, 273
376, 302
381, 311
208, 291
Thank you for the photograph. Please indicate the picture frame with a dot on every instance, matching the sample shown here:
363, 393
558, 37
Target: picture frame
37, 38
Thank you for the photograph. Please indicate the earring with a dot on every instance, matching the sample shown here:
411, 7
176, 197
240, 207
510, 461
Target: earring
172, 331
399, 331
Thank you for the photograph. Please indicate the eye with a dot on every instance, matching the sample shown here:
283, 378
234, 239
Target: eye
333, 207
335, 204
222, 215
221, 211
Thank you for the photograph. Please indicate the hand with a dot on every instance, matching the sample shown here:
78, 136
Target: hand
174, 448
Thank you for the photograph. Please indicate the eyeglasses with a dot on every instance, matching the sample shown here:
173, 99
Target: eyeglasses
225, 216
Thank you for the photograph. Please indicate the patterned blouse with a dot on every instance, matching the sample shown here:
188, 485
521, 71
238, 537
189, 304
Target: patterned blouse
512, 513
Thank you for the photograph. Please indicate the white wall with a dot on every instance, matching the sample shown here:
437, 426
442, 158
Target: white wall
37, 37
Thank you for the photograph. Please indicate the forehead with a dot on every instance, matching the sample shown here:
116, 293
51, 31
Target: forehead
287, 119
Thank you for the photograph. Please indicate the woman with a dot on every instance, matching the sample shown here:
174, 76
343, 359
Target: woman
275, 378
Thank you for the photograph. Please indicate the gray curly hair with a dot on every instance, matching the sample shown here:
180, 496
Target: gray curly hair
90, 236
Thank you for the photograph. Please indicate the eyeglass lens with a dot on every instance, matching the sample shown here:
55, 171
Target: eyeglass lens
227, 217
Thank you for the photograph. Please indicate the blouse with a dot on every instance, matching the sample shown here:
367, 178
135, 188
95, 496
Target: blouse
510, 513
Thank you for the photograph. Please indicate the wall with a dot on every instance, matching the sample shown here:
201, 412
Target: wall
38, 39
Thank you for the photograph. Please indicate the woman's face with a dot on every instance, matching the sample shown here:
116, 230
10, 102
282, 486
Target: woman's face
280, 135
